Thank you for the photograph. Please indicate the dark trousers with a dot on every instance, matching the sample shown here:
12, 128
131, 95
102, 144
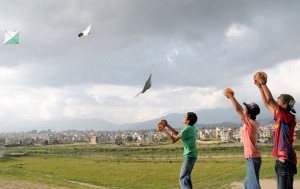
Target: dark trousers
285, 174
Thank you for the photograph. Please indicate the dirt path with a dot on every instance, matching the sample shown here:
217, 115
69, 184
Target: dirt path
265, 184
13, 184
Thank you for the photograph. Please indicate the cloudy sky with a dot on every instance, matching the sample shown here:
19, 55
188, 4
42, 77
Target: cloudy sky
197, 48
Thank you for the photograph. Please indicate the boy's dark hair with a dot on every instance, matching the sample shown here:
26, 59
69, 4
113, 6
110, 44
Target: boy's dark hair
192, 117
253, 110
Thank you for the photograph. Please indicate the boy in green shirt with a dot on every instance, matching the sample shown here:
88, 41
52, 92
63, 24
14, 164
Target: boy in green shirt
188, 137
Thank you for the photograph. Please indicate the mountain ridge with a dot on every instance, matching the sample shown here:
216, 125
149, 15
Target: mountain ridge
206, 118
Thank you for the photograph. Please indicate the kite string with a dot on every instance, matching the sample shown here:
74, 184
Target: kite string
152, 68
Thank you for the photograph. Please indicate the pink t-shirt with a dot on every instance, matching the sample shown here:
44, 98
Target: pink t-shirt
249, 134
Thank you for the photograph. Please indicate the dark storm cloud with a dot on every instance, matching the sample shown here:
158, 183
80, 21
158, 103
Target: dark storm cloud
123, 30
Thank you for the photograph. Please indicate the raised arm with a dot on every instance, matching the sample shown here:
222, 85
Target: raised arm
238, 108
174, 132
268, 100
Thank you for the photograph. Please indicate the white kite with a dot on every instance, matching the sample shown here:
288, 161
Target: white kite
86, 32
147, 85
11, 37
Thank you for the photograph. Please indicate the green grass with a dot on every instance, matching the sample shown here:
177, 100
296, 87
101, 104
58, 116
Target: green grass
208, 173
57, 165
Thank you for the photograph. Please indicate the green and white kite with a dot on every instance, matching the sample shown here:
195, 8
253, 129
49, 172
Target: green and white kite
11, 37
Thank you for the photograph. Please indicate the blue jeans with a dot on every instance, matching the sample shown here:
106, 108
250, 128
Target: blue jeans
285, 174
185, 180
252, 176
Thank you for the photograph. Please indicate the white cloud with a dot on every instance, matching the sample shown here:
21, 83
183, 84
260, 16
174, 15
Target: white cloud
282, 78
116, 103
241, 35
171, 57
236, 31
12, 75
51, 106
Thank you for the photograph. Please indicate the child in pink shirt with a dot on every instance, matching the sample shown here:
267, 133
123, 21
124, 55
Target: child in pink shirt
249, 134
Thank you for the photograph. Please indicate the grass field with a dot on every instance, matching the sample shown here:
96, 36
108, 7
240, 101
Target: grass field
86, 169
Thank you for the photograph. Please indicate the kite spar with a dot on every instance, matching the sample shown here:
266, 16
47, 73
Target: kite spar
147, 84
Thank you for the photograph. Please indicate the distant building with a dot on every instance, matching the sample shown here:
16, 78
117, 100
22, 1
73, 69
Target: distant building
149, 138
265, 132
201, 134
158, 136
217, 132
94, 140
51, 139
27, 141
236, 134
2, 141
226, 134
99, 139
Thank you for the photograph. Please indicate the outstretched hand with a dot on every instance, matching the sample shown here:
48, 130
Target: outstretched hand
259, 78
164, 122
257, 83
161, 125
228, 93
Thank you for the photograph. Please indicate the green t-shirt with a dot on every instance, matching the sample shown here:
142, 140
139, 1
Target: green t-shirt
188, 137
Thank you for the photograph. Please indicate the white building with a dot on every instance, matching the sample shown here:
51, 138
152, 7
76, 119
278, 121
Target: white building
226, 134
